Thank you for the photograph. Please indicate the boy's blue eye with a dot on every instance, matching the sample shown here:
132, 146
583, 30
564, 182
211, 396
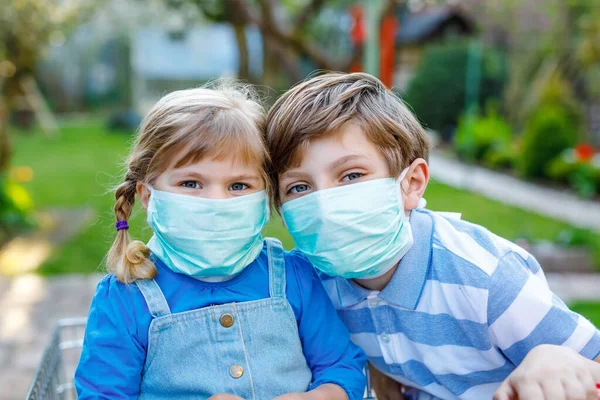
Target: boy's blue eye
238, 186
352, 176
191, 185
299, 189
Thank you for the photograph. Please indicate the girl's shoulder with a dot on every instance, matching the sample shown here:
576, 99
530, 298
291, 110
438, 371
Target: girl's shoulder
300, 269
112, 291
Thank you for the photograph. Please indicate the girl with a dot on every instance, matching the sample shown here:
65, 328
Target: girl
207, 307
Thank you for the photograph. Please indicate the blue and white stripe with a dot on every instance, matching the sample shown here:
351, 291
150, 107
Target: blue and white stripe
462, 310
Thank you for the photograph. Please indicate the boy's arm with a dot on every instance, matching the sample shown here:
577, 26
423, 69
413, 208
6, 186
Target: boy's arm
112, 360
336, 363
524, 316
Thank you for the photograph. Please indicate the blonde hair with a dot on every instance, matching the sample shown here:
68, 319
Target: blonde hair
220, 119
323, 104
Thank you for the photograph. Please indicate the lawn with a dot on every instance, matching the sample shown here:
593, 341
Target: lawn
79, 168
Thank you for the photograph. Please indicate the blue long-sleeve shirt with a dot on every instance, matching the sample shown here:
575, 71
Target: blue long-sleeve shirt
116, 337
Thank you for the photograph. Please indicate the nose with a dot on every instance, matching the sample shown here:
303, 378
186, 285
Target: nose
217, 192
323, 182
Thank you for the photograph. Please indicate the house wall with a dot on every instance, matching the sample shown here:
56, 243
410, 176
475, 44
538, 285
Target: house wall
408, 59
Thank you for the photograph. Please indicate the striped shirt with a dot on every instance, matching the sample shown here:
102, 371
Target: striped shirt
460, 313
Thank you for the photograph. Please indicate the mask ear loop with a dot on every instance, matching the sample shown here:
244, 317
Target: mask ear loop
399, 184
150, 202
422, 201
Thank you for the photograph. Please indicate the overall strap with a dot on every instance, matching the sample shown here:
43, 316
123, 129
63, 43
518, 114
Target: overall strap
155, 299
276, 268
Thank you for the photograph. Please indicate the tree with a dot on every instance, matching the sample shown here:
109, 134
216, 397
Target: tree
285, 27
27, 27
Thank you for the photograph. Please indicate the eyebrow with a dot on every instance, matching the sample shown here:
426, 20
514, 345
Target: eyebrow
228, 178
343, 160
243, 177
292, 175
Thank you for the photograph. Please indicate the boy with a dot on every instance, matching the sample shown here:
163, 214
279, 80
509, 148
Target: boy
437, 303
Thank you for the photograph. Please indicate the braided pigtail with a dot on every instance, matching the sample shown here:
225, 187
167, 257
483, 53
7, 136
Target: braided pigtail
127, 259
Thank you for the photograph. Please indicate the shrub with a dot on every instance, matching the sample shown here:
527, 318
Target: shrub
560, 169
15, 208
548, 133
437, 91
583, 180
479, 137
504, 158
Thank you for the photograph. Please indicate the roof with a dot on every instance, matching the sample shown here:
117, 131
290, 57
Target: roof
419, 26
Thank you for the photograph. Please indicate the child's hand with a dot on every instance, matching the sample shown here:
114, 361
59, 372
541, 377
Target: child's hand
224, 396
292, 396
327, 391
385, 387
552, 372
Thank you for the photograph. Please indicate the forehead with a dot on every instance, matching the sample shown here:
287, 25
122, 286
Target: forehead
225, 162
348, 140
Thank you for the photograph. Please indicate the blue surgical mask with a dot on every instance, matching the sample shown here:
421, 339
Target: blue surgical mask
354, 231
207, 237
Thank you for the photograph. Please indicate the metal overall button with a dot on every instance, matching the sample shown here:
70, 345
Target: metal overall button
227, 320
236, 371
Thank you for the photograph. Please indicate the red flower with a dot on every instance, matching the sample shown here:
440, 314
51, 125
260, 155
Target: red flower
584, 152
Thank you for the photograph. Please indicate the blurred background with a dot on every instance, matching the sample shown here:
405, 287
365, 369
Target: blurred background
508, 89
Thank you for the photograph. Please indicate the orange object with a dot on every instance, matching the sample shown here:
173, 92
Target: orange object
584, 152
357, 33
387, 56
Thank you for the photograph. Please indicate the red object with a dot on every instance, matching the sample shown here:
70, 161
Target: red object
584, 152
387, 57
357, 33
598, 388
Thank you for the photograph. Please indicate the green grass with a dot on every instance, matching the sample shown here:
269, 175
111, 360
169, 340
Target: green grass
589, 309
79, 168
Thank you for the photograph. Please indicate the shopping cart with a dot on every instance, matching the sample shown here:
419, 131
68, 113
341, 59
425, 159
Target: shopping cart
54, 378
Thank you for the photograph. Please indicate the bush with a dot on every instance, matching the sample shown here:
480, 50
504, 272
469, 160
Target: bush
480, 137
504, 158
560, 169
437, 91
15, 208
548, 133
584, 180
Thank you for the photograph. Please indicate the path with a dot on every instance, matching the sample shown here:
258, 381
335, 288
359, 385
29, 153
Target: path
545, 201
31, 305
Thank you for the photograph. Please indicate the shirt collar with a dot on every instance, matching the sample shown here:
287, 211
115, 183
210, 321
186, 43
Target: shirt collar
406, 286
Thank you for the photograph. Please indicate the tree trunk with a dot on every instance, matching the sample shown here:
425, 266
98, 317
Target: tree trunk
242, 46
5, 145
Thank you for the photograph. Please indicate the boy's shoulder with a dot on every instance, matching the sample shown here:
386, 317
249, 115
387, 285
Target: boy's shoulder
468, 250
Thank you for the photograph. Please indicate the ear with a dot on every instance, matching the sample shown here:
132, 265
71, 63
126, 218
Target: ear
414, 184
143, 193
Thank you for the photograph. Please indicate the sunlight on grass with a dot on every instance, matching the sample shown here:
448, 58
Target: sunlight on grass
22, 255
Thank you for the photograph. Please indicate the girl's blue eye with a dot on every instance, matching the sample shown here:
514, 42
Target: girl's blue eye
299, 189
191, 185
238, 186
352, 176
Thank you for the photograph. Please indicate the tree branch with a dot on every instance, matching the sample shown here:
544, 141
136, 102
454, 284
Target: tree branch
311, 9
269, 26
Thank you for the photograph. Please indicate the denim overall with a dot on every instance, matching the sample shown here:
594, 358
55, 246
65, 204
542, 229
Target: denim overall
249, 349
